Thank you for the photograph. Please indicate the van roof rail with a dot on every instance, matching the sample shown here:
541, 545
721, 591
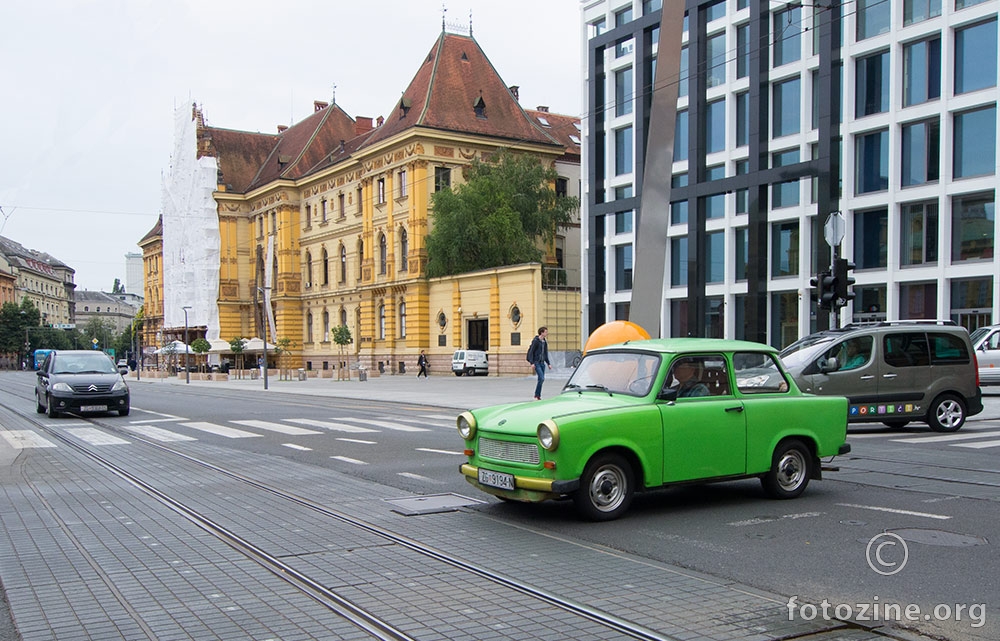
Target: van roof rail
894, 323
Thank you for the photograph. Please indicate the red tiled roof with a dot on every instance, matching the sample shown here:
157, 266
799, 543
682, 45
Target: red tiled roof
240, 154
454, 76
155, 232
561, 127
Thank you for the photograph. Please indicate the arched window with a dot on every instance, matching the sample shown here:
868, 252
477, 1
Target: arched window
383, 254
361, 257
343, 264
326, 326
381, 322
309, 269
309, 327
326, 267
343, 316
402, 319
404, 249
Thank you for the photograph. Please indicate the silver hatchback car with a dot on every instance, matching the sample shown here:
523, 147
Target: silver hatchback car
986, 342
892, 372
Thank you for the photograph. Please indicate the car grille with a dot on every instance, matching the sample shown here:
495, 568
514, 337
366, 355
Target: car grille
507, 451
92, 389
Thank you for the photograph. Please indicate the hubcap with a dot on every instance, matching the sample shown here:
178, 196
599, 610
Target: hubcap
791, 470
949, 414
607, 489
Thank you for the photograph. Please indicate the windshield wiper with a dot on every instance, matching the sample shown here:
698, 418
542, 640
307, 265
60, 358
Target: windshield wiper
571, 386
600, 387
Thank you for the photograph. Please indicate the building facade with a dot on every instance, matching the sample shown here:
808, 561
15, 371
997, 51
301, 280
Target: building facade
884, 111
45, 281
115, 311
324, 224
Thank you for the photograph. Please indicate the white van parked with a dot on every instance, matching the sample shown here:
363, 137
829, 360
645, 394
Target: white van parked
469, 362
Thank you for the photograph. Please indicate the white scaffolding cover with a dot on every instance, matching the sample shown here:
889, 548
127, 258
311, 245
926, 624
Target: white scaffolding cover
190, 232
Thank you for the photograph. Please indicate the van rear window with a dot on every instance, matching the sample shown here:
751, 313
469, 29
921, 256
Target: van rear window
947, 349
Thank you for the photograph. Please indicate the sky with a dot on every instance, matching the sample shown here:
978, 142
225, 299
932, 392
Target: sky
89, 89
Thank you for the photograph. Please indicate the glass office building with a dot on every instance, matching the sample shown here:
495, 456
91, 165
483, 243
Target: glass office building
882, 110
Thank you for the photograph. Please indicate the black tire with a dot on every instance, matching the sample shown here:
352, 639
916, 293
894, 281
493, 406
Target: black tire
458, 373
606, 488
947, 414
124, 412
38, 404
896, 425
791, 469
51, 410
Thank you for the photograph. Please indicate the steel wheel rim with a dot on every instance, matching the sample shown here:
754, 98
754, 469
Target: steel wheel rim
607, 488
791, 470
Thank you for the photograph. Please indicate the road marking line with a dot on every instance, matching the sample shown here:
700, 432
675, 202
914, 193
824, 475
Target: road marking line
220, 430
389, 425
158, 434
434, 451
769, 519
442, 417
95, 436
327, 425
295, 446
980, 445
946, 438
24, 439
352, 461
356, 440
277, 427
417, 477
895, 511
166, 417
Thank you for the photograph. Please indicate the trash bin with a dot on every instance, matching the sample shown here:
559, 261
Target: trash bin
362, 375
302, 374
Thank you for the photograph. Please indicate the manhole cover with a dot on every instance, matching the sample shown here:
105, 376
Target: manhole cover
432, 503
939, 537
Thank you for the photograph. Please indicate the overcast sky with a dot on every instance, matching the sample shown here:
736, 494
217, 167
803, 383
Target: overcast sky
89, 89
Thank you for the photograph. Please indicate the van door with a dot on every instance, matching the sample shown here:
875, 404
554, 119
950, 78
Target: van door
905, 357
856, 376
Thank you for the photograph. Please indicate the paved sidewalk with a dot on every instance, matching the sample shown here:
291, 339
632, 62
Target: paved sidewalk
459, 392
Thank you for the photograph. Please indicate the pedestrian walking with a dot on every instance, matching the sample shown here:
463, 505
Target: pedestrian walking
538, 356
422, 364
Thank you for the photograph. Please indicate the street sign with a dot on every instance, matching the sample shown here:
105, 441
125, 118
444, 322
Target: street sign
834, 229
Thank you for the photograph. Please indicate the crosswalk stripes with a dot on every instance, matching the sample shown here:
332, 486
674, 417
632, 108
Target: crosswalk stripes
158, 434
330, 425
979, 445
25, 439
946, 438
389, 425
94, 436
290, 430
220, 430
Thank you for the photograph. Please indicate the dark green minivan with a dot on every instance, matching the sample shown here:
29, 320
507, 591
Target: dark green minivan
892, 372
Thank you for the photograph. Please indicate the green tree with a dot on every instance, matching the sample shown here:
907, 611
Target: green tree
341, 335
19, 329
200, 346
237, 344
497, 217
118, 288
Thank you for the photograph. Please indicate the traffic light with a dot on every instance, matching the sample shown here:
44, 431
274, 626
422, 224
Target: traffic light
824, 290
843, 281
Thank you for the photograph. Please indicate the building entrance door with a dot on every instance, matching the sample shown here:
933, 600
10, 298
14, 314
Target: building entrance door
479, 334
971, 319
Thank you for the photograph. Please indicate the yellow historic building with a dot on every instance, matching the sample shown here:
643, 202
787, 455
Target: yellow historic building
326, 220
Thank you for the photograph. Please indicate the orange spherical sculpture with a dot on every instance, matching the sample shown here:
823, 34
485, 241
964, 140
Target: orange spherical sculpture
613, 333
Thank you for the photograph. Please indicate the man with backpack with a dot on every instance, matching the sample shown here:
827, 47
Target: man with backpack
538, 356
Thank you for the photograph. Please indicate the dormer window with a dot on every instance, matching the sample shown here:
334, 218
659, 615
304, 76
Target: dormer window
545, 123
575, 139
404, 106
480, 107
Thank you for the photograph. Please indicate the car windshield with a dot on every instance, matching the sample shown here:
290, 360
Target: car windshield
804, 350
631, 373
979, 333
96, 363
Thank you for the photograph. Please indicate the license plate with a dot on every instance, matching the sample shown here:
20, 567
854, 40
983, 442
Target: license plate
496, 479
93, 408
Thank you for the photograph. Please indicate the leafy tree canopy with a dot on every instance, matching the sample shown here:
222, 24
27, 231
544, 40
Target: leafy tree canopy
341, 335
200, 346
497, 217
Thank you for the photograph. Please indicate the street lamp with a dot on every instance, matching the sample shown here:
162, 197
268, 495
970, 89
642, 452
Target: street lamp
264, 311
187, 350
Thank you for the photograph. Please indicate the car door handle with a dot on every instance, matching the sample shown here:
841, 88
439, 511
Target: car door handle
738, 408
869, 377
889, 375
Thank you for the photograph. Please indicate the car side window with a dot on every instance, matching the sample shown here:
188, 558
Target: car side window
905, 349
851, 354
686, 377
993, 342
947, 349
758, 373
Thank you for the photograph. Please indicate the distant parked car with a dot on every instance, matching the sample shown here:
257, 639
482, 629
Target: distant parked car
651, 413
986, 342
80, 381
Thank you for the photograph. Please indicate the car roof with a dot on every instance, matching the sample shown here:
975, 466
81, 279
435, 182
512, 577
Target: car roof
679, 345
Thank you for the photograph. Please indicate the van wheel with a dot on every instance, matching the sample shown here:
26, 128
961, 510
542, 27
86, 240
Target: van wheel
947, 414
791, 469
606, 488
458, 373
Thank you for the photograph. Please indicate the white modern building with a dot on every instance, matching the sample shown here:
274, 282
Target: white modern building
883, 110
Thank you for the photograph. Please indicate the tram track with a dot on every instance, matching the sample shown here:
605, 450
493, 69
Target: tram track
378, 627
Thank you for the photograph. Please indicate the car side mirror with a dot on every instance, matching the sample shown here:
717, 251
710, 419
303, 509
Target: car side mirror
40, 373
123, 371
829, 365
668, 394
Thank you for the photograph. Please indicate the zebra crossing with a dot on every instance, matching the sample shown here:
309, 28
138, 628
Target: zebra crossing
970, 439
174, 429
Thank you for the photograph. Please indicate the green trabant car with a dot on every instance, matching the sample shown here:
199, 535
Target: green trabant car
650, 413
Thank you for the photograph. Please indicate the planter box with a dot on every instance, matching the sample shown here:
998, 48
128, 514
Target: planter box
216, 376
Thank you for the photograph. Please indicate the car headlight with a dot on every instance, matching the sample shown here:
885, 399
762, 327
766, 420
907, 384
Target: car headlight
548, 435
466, 425
119, 386
61, 387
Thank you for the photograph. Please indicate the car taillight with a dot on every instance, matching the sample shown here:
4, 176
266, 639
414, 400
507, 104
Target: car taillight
975, 365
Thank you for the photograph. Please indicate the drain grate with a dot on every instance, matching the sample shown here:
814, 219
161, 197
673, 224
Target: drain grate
432, 504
